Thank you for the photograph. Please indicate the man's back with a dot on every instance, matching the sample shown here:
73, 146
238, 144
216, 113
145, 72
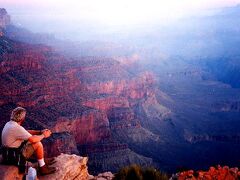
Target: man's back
20, 144
13, 134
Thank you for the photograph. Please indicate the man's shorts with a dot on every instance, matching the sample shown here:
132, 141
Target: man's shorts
27, 150
17, 156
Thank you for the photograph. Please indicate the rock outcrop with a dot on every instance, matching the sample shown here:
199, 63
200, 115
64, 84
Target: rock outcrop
103, 176
4, 18
229, 106
10, 173
195, 138
4, 21
69, 167
94, 126
220, 173
60, 143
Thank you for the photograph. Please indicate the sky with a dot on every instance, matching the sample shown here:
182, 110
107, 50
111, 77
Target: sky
114, 11
33, 14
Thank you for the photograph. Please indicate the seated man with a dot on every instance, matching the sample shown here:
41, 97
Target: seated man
19, 143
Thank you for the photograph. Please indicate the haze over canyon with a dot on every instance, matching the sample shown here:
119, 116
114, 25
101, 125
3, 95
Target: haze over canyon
159, 95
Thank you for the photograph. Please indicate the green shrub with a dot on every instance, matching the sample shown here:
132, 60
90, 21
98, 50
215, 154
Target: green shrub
136, 172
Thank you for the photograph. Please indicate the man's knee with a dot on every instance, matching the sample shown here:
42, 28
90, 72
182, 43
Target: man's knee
37, 145
38, 150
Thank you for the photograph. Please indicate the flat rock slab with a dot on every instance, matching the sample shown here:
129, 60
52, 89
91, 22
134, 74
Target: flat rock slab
69, 167
9, 173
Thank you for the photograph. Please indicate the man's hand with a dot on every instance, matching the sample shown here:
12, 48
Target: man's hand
45, 130
40, 135
46, 133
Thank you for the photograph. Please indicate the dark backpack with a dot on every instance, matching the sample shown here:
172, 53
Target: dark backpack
13, 156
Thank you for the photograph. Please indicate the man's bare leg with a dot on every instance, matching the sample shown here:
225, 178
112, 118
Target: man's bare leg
38, 148
44, 169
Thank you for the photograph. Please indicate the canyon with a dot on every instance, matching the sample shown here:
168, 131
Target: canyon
84, 101
117, 105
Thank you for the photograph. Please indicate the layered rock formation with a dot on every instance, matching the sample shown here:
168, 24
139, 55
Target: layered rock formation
213, 173
4, 19
230, 106
60, 143
93, 124
100, 102
88, 102
211, 138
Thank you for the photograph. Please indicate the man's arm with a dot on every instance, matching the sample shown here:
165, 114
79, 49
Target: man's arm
38, 138
35, 132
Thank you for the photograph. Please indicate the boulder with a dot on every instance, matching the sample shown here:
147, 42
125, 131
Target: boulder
10, 173
213, 173
105, 176
69, 167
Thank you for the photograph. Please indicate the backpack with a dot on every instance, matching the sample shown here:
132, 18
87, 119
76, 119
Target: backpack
14, 156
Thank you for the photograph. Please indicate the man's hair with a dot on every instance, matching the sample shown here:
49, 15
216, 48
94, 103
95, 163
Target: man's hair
17, 114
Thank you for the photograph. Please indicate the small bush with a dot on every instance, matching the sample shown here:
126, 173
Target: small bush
136, 172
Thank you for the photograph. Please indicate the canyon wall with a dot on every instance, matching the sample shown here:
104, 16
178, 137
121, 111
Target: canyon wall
88, 102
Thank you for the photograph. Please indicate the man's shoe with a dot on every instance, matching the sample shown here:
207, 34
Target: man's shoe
44, 170
50, 161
